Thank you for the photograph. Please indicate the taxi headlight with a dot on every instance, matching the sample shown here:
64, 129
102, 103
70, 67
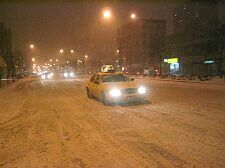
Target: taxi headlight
115, 92
141, 90
65, 74
71, 74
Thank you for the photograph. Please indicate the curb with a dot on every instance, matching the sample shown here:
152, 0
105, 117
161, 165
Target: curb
213, 83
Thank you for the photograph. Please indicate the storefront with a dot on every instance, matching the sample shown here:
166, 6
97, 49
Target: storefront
171, 66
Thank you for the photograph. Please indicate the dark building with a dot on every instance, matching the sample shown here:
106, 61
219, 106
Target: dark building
21, 64
195, 18
6, 52
140, 44
197, 41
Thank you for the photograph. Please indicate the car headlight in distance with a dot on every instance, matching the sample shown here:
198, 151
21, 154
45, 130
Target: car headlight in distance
115, 92
71, 74
43, 76
65, 74
49, 76
141, 90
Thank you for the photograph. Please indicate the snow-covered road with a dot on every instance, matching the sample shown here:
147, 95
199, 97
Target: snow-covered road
54, 125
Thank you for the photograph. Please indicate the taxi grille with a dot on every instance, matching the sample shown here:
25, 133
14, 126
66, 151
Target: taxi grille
129, 91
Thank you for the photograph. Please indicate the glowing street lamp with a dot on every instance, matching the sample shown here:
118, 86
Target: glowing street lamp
86, 56
31, 46
71, 51
50, 60
56, 60
33, 59
118, 51
61, 50
107, 14
133, 16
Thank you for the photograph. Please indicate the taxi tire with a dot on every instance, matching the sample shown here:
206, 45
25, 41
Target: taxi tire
104, 100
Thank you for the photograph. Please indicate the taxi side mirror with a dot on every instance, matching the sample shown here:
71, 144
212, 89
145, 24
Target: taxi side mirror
131, 78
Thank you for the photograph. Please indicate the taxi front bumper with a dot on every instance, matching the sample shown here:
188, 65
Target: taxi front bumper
127, 98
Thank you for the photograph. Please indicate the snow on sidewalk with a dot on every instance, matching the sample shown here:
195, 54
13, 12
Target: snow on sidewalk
217, 81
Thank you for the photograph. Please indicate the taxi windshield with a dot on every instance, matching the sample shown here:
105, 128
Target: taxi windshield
114, 78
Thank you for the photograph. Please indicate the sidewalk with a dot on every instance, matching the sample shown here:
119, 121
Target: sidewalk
217, 81
5, 82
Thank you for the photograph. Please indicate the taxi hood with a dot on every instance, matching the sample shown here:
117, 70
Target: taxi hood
119, 85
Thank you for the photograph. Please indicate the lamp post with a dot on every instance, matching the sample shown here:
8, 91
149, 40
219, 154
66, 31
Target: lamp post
107, 16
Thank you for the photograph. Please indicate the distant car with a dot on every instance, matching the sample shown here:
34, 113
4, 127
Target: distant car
68, 74
178, 76
114, 87
204, 77
47, 75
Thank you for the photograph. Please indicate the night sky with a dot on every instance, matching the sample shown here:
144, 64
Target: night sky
54, 25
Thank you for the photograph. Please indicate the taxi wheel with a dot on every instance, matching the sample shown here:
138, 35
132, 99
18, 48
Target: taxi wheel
104, 100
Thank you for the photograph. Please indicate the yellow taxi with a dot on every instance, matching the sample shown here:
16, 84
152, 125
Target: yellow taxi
114, 87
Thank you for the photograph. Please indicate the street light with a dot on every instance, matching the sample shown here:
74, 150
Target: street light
86, 56
56, 60
61, 50
33, 59
107, 14
50, 60
133, 16
71, 51
31, 46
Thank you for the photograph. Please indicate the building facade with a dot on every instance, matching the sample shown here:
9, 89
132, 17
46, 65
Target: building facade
197, 41
7, 68
21, 64
140, 44
194, 18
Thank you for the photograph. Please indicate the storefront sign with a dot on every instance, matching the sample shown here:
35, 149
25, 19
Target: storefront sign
172, 60
209, 62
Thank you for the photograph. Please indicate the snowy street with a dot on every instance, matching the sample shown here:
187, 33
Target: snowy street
52, 124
